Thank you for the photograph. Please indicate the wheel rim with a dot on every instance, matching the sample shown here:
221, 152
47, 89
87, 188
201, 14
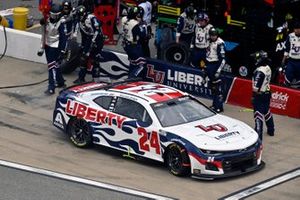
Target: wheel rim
175, 160
175, 55
80, 131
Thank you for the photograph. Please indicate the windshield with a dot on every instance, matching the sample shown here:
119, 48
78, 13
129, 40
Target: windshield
179, 111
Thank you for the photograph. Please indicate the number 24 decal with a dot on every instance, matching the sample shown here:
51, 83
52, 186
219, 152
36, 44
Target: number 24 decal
147, 143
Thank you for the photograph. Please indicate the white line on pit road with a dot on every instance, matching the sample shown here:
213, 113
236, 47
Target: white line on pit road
83, 181
263, 185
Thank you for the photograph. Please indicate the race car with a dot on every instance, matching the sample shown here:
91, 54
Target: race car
158, 122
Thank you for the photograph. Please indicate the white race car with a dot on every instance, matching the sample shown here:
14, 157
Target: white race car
160, 123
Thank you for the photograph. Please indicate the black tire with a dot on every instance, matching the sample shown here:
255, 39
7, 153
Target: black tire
79, 133
69, 64
175, 53
178, 161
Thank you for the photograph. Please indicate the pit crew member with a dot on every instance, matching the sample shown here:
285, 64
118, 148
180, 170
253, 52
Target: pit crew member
292, 55
215, 61
133, 33
200, 40
186, 26
146, 9
54, 44
92, 41
261, 94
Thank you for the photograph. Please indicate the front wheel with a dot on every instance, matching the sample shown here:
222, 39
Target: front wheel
79, 133
178, 160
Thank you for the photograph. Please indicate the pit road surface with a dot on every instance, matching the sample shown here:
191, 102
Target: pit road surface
28, 137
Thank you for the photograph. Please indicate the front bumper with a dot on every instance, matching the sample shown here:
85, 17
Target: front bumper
229, 174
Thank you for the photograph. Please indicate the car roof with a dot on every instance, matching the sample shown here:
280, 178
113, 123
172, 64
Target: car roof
152, 92
149, 91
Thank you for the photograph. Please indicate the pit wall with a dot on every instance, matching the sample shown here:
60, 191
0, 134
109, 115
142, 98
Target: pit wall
237, 91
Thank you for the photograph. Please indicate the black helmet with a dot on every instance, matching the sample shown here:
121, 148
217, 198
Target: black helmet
213, 32
297, 24
260, 58
67, 6
81, 12
190, 12
202, 16
134, 12
55, 13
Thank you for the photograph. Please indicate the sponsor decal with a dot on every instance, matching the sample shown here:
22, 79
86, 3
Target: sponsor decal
214, 127
58, 121
155, 75
91, 114
226, 135
184, 77
192, 83
279, 100
243, 71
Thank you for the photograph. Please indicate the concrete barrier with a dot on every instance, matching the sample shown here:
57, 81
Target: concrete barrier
21, 44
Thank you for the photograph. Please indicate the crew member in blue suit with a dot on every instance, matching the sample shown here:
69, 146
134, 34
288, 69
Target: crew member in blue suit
54, 44
92, 41
292, 55
186, 26
200, 40
262, 94
133, 33
215, 61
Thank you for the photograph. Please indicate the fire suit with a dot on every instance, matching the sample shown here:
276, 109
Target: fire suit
215, 61
261, 100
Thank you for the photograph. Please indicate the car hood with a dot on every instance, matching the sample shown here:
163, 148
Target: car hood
217, 133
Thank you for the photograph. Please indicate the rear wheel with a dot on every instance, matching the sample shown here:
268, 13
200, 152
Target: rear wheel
178, 160
79, 133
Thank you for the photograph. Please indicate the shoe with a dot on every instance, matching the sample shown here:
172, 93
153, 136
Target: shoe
61, 85
219, 110
49, 92
216, 110
212, 107
78, 81
271, 133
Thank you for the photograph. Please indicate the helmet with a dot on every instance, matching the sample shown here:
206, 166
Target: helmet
297, 24
55, 13
213, 32
260, 58
190, 12
134, 12
202, 16
67, 6
82, 12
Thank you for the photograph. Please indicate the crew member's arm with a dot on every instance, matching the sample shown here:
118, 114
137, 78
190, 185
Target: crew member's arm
257, 82
180, 24
286, 50
221, 57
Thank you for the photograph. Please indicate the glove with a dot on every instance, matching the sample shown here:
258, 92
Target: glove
62, 55
42, 21
94, 45
217, 75
40, 52
204, 76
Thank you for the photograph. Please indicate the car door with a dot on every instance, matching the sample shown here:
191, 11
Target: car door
138, 130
